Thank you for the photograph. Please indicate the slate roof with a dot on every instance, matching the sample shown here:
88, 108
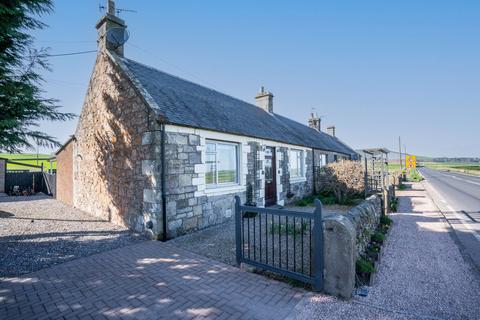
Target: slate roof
185, 103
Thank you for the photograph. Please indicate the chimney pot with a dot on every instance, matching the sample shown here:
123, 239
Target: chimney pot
331, 131
315, 122
264, 100
107, 22
111, 7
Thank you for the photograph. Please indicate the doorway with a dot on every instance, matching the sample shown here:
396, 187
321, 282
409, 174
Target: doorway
270, 177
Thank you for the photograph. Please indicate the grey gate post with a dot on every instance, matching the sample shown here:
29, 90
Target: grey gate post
238, 231
318, 247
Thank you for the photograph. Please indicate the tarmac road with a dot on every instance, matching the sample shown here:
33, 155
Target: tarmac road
458, 197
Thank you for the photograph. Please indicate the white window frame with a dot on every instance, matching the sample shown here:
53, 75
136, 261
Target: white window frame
237, 164
301, 163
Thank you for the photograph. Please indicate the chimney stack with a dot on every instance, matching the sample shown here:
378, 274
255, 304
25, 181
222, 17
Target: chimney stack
315, 121
265, 100
331, 131
107, 22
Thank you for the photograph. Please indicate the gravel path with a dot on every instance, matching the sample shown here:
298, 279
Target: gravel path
421, 276
37, 232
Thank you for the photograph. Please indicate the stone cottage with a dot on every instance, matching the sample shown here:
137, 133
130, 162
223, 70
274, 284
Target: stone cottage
166, 156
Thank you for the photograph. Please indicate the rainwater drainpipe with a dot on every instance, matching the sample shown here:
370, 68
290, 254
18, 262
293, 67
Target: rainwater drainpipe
163, 183
313, 169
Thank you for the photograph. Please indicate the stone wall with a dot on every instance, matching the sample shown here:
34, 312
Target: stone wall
283, 176
64, 175
299, 190
253, 178
188, 207
108, 154
191, 205
345, 239
2, 175
366, 218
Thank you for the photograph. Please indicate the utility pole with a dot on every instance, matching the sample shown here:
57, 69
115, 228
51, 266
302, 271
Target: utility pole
400, 151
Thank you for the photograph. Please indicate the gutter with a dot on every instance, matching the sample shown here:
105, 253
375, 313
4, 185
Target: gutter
163, 183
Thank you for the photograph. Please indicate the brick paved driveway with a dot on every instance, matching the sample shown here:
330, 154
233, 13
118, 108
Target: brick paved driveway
150, 280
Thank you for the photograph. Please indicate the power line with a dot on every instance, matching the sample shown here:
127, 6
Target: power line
69, 53
156, 56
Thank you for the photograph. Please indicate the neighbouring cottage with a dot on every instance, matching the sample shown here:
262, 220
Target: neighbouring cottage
165, 156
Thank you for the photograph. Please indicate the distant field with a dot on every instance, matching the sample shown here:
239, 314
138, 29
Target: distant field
28, 158
393, 166
473, 168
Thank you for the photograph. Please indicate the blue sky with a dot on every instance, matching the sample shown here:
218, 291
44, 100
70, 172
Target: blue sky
375, 69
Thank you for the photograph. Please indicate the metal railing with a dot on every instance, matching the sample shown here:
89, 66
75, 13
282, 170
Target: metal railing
286, 242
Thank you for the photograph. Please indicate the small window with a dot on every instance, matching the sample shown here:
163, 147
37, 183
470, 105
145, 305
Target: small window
296, 164
323, 160
221, 159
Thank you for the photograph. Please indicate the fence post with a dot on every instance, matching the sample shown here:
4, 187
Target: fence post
238, 231
318, 246
394, 186
386, 201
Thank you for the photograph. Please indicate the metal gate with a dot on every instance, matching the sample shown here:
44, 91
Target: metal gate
18, 182
30, 182
286, 242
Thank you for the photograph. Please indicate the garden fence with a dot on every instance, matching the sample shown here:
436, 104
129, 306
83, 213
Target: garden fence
282, 241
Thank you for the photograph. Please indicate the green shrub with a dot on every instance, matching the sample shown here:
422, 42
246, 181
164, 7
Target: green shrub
374, 248
385, 220
378, 237
362, 265
402, 187
249, 214
394, 205
414, 176
303, 203
290, 229
326, 200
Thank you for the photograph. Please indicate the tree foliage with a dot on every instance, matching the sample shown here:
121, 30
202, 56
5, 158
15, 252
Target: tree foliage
22, 102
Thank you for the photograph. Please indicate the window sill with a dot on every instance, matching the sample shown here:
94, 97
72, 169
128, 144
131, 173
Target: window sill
298, 179
224, 189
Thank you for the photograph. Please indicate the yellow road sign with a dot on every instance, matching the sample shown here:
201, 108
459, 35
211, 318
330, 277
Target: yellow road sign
411, 161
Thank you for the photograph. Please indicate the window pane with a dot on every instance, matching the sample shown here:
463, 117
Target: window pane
211, 168
226, 163
300, 163
210, 147
294, 163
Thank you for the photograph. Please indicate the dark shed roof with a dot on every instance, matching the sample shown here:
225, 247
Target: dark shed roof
185, 103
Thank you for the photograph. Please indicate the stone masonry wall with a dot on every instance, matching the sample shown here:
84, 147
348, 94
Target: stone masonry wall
254, 172
302, 189
108, 154
345, 239
187, 210
365, 218
283, 175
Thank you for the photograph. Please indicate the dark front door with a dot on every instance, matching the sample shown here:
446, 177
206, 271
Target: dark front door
270, 177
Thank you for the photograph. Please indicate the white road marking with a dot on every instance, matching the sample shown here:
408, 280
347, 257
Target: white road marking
456, 214
461, 179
